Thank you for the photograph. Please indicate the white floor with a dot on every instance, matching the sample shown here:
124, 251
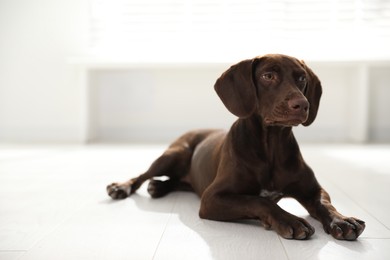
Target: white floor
53, 205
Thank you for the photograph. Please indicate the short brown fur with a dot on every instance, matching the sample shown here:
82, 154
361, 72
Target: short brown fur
242, 173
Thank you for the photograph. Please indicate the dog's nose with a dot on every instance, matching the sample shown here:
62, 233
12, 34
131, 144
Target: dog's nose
298, 104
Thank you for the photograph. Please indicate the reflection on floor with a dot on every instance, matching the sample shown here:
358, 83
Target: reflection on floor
53, 205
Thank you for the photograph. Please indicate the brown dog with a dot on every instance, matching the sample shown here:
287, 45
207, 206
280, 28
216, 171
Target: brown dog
243, 173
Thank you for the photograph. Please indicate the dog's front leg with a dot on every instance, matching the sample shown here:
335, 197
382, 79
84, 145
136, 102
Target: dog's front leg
236, 207
340, 227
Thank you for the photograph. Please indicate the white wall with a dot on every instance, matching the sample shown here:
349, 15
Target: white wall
379, 114
42, 100
145, 105
39, 100
157, 104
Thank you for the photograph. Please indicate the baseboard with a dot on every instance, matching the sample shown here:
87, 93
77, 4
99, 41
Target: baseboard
40, 134
165, 134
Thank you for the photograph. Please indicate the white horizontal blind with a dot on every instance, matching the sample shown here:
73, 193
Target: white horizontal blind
133, 26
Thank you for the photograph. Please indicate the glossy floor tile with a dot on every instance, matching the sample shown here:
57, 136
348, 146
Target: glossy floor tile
53, 205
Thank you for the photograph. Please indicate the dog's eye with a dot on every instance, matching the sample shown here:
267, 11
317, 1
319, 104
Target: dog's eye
268, 76
302, 78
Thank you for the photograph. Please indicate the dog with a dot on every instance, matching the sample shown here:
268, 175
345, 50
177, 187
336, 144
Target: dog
243, 173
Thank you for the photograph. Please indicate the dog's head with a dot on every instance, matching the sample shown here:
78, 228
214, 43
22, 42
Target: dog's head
280, 89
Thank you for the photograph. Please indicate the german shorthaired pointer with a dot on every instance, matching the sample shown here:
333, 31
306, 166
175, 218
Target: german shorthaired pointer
243, 173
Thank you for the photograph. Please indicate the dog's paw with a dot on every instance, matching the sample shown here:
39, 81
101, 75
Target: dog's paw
293, 228
344, 228
118, 191
158, 189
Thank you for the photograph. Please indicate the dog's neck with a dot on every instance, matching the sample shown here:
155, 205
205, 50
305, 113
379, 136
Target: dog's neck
259, 141
254, 128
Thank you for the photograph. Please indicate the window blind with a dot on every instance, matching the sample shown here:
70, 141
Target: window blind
134, 26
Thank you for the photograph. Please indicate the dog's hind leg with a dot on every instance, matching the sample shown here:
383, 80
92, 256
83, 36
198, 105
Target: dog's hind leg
173, 163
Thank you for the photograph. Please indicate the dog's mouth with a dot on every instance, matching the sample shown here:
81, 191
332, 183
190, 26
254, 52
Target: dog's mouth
285, 121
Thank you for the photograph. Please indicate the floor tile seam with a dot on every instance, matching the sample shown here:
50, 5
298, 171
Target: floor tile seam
356, 202
166, 225
57, 226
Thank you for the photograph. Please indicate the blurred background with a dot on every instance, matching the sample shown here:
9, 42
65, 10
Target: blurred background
91, 71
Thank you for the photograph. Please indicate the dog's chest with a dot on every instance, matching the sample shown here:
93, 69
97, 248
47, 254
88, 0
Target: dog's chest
272, 195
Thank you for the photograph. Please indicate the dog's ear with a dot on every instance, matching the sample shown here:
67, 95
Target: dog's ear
237, 90
313, 94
